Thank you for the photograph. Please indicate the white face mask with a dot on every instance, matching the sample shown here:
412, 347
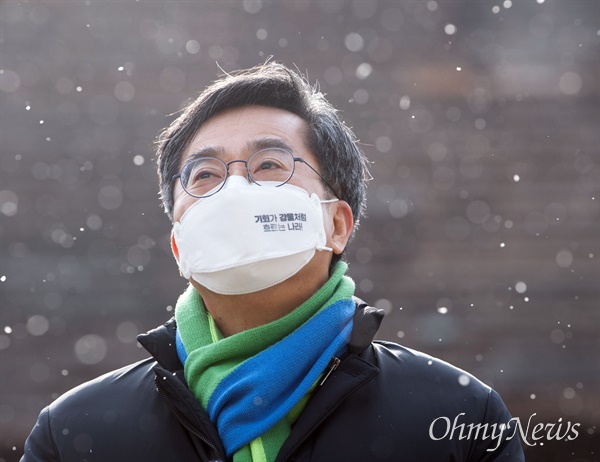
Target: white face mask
246, 237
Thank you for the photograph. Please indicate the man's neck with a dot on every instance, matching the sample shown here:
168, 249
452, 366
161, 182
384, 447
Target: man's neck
237, 313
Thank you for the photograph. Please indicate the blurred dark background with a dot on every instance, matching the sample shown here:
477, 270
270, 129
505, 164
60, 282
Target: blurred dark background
481, 119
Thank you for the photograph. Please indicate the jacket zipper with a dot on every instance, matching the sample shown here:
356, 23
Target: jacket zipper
333, 365
191, 430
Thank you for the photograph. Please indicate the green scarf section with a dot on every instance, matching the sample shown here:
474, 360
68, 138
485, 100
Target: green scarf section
211, 357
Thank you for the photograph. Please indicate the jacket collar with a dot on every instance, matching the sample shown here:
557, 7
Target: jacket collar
160, 342
366, 324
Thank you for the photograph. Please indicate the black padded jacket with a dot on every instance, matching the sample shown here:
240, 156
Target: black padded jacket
381, 402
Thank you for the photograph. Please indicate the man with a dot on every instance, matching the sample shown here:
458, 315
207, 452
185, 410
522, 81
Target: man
269, 357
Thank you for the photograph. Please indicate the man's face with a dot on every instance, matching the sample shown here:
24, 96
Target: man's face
233, 135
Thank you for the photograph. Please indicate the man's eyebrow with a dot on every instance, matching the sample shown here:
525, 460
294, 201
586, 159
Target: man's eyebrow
251, 147
265, 143
206, 151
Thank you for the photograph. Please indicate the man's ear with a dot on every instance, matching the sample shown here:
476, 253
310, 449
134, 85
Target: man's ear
343, 223
174, 247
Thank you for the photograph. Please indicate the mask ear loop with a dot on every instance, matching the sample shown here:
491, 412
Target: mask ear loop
324, 248
327, 201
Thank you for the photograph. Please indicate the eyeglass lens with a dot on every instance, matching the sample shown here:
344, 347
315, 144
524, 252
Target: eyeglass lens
202, 175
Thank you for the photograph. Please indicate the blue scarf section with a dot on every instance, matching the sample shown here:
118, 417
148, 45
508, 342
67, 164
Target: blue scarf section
265, 388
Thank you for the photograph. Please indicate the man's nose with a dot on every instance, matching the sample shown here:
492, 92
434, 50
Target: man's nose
238, 168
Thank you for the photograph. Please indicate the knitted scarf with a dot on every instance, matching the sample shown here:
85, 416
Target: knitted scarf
255, 384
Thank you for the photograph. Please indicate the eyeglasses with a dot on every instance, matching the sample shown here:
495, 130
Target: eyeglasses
206, 176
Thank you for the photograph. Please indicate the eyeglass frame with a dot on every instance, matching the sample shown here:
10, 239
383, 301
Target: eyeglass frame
249, 175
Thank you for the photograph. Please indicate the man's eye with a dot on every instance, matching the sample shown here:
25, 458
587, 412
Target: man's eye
267, 165
204, 175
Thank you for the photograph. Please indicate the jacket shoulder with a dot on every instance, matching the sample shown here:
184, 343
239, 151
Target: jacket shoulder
120, 407
420, 401
118, 416
107, 390
421, 369
71, 425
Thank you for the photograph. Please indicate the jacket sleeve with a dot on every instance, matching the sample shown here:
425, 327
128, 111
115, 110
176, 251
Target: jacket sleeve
39, 446
501, 442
